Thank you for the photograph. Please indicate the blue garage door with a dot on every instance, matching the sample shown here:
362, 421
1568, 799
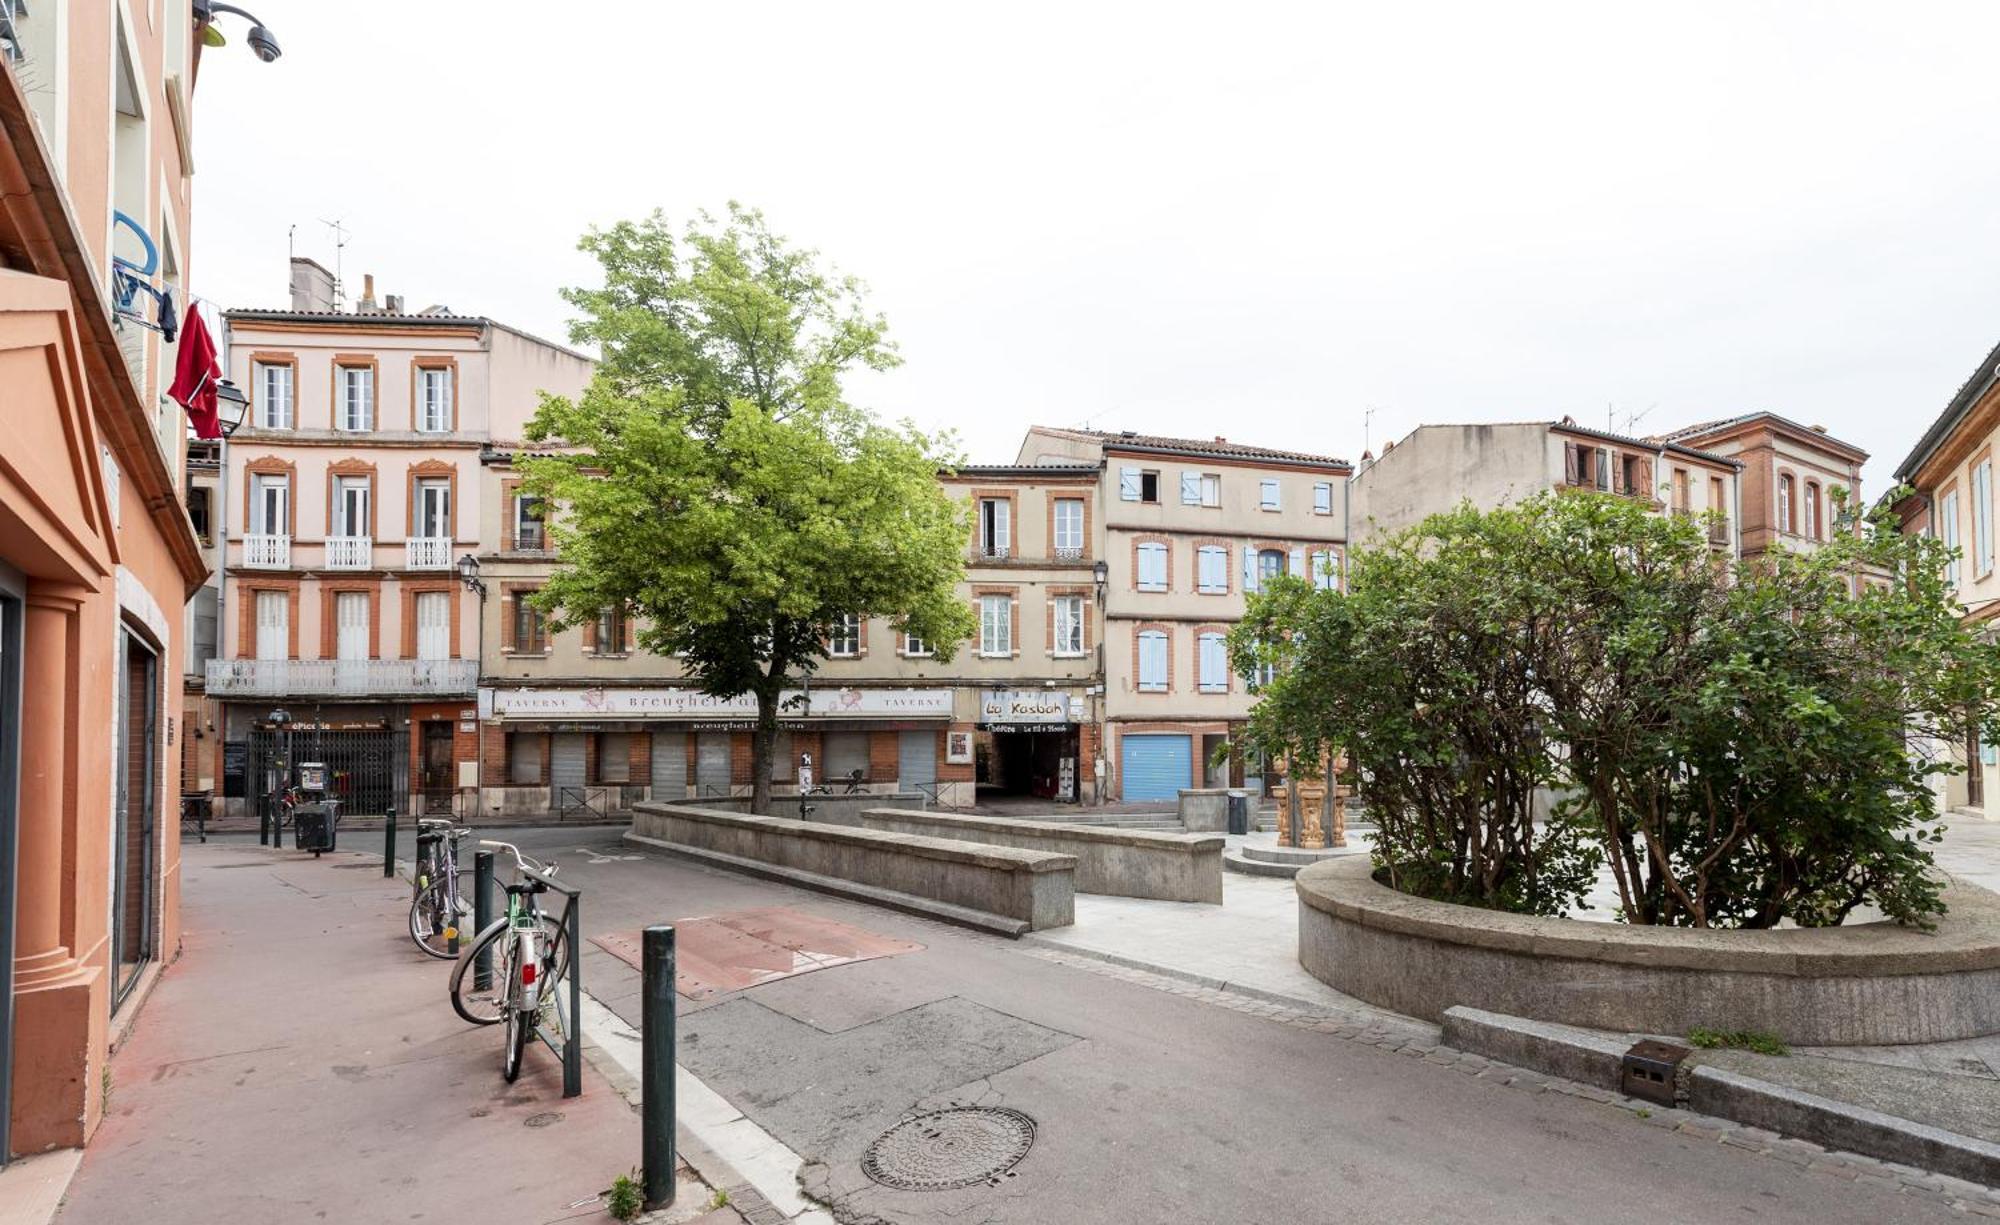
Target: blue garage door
1155, 767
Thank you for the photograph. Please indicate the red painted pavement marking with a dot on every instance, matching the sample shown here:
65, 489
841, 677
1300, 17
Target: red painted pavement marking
743, 948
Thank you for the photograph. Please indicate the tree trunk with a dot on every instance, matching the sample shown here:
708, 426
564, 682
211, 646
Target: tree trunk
762, 742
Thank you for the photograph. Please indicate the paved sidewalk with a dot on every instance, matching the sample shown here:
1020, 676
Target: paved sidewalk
300, 1062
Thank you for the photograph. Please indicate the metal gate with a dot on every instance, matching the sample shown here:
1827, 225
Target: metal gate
916, 759
367, 771
1155, 767
670, 766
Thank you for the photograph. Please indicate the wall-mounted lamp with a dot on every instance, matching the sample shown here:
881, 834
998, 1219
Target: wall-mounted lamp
263, 44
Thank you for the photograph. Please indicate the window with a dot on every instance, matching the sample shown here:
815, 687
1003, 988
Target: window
1322, 498
531, 634
1261, 675
431, 516
524, 757
1267, 496
350, 506
1152, 661
350, 618
1812, 510
1683, 492
1067, 625
274, 618
1152, 560
528, 533
434, 399
1982, 519
1149, 486
614, 757
844, 642
1270, 565
1785, 503
1139, 484
1213, 655
1718, 531
198, 509
1068, 531
1211, 569
1324, 569
270, 505
915, 646
611, 632
433, 611
996, 625
994, 527
1201, 489
272, 382
1948, 533
355, 406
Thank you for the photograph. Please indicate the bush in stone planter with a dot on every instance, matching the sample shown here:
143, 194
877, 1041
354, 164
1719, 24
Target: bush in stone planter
1735, 742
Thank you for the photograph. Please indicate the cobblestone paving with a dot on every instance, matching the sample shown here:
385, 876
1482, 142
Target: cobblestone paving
1415, 1040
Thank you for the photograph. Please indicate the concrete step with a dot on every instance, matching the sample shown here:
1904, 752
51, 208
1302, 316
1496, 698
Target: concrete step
1234, 861
1289, 854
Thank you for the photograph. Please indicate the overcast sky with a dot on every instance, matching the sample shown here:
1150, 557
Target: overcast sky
1224, 219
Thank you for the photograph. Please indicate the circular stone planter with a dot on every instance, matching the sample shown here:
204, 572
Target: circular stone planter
1865, 985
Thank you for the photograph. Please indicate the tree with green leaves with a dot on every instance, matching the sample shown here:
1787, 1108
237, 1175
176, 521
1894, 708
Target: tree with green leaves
714, 481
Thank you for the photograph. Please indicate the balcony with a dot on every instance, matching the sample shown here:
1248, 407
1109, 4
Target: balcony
349, 552
427, 553
1069, 552
267, 552
342, 678
992, 552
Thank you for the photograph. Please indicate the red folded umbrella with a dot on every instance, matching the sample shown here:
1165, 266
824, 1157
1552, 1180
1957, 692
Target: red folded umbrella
195, 375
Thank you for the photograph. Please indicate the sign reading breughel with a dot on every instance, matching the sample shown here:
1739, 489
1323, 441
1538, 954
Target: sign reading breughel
601, 703
1023, 706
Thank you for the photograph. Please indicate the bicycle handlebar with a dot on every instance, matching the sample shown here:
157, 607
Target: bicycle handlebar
521, 861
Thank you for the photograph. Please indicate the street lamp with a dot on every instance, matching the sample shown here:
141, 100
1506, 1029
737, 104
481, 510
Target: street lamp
1100, 571
281, 722
231, 407
263, 43
468, 574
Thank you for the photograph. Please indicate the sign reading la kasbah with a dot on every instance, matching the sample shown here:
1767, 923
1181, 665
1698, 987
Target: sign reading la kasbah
1023, 706
689, 704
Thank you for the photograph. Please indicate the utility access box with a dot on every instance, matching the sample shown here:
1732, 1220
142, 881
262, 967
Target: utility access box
1649, 1070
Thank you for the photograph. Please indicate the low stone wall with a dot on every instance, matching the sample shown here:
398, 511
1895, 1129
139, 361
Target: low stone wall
1025, 889
1869, 984
1118, 862
1204, 810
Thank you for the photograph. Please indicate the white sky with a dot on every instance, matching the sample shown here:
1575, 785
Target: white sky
1220, 219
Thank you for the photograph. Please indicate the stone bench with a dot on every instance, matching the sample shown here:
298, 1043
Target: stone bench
1117, 862
994, 888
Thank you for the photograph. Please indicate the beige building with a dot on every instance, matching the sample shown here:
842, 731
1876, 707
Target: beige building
1437, 467
1950, 475
584, 722
353, 489
1189, 526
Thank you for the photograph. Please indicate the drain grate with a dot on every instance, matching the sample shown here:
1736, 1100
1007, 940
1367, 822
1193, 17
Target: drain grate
948, 1149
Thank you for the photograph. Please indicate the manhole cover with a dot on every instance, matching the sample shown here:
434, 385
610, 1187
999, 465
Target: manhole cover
545, 1119
947, 1149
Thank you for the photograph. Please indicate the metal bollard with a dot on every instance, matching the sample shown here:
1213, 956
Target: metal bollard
573, 1040
482, 916
656, 1067
389, 843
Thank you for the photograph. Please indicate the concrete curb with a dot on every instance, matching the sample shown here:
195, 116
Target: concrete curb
1595, 1058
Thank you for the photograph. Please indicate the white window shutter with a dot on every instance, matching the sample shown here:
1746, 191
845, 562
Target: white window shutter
1128, 484
1191, 488
1298, 563
1249, 568
1001, 527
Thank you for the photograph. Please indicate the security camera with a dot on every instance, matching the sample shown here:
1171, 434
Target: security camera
264, 44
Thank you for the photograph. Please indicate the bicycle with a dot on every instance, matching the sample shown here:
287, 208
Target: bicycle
529, 958
852, 779
439, 910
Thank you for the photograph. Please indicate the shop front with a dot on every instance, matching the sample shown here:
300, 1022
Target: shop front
1030, 743
579, 752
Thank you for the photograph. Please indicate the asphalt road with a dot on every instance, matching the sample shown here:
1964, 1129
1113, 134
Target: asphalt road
1151, 1106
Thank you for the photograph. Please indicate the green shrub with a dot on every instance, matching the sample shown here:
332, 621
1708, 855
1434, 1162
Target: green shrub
1739, 1040
626, 1198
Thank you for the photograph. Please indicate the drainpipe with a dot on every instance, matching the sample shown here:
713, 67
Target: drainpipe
1736, 532
220, 530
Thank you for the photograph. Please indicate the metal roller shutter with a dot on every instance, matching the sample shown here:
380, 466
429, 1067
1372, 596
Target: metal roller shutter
566, 761
844, 752
711, 763
1155, 767
916, 759
670, 765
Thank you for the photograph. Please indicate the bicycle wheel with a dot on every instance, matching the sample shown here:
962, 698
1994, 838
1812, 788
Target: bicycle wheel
520, 1025
432, 925
488, 1005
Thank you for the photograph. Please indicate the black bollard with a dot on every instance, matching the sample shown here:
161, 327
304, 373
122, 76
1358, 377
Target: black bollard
389, 843
656, 1068
482, 916
573, 1040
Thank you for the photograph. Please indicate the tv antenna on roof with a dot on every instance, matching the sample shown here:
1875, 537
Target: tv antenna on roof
339, 244
1367, 420
1632, 419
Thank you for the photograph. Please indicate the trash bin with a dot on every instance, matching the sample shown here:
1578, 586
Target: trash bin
313, 825
1239, 811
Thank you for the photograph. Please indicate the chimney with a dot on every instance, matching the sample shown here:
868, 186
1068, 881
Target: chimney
312, 285
392, 303
367, 304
